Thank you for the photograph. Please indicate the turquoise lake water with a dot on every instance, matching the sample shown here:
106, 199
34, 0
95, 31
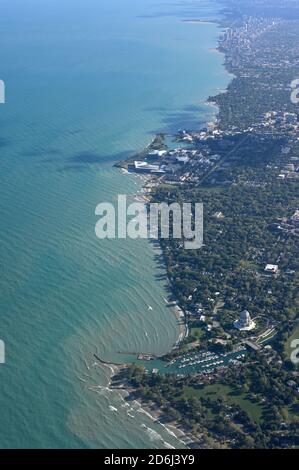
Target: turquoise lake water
87, 83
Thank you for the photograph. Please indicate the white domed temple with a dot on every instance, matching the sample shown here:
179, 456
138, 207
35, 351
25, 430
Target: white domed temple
244, 323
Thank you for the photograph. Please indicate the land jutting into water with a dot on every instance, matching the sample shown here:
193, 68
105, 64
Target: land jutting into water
230, 383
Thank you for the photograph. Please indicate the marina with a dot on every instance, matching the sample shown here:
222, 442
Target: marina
195, 362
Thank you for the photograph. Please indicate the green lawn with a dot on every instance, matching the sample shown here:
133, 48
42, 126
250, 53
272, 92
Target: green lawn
198, 332
292, 413
215, 391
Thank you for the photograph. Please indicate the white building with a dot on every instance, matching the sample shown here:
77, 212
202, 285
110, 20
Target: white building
271, 269
158, 153
144, 167
244, 323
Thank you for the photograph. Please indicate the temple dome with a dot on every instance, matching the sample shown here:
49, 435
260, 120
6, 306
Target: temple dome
244, 323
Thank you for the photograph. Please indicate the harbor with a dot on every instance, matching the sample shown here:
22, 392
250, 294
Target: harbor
195, 362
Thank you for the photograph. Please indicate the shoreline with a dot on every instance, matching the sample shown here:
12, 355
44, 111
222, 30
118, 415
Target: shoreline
144, 194
130, 396
150, 408
199, 21
230, 130
176, 310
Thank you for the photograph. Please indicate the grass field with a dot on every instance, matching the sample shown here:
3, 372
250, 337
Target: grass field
254, 410
198, 332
